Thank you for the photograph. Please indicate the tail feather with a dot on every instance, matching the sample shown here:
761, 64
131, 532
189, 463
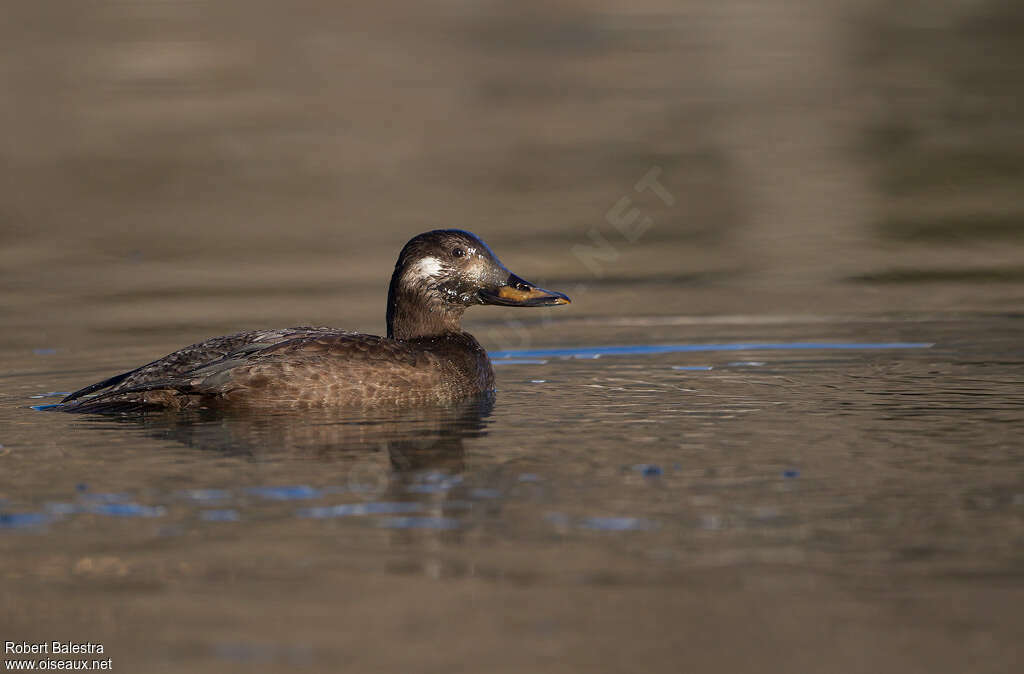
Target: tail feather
149, 397
98, 386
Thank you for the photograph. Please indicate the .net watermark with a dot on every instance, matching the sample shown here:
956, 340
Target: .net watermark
629, 222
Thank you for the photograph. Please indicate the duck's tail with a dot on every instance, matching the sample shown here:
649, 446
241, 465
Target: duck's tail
150, 398
98, 386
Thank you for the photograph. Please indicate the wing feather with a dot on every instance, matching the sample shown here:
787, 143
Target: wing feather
291, 369
190, 356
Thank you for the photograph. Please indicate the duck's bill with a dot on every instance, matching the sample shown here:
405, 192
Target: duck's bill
516, 292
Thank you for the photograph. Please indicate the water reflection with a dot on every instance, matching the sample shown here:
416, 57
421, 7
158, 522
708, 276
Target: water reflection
413, 439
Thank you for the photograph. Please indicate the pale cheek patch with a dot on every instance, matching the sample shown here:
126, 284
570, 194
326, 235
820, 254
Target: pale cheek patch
477, 270
429, 268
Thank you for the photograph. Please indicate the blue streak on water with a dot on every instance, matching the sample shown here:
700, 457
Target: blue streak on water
617, 523
695, 368
791, 473
226, 515
352, 509
484, 493
427, 488
285, 493
438, 476
107, 497
62, 509
419, 523
561, 520
433, 482
43, 408
556, 518
522, 361
645, 349
128, 510
648, 469
206, 495
22, 520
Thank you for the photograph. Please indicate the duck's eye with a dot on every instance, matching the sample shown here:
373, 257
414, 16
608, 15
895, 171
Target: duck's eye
458, 252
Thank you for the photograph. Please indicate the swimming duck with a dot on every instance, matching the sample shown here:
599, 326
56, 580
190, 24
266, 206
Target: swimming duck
426, 356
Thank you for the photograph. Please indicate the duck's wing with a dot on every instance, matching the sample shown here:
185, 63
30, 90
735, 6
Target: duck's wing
311, 369
305, 371
194, 356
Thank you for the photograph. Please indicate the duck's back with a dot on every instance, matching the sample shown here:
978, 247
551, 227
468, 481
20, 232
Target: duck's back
193, 356
298, 367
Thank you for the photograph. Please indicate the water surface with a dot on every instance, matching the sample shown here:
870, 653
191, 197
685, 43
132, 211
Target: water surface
801, 501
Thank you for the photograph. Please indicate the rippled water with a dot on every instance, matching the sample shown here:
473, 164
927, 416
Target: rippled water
699, 503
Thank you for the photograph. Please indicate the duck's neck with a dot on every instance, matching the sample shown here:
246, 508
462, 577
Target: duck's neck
414, 314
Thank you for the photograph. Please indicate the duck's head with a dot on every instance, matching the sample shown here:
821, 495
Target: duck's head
442, 272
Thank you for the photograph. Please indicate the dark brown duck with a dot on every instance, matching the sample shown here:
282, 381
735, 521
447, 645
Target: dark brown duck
426, 356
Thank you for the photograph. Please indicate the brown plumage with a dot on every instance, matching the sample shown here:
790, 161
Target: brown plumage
426, 357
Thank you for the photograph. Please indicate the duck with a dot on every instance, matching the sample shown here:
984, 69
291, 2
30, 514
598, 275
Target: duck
426, 357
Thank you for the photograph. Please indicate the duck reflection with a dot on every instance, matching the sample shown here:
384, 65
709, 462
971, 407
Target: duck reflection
400, 472
413, 439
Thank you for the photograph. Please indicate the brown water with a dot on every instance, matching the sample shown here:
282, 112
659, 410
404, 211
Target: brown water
855, 508
844, 175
